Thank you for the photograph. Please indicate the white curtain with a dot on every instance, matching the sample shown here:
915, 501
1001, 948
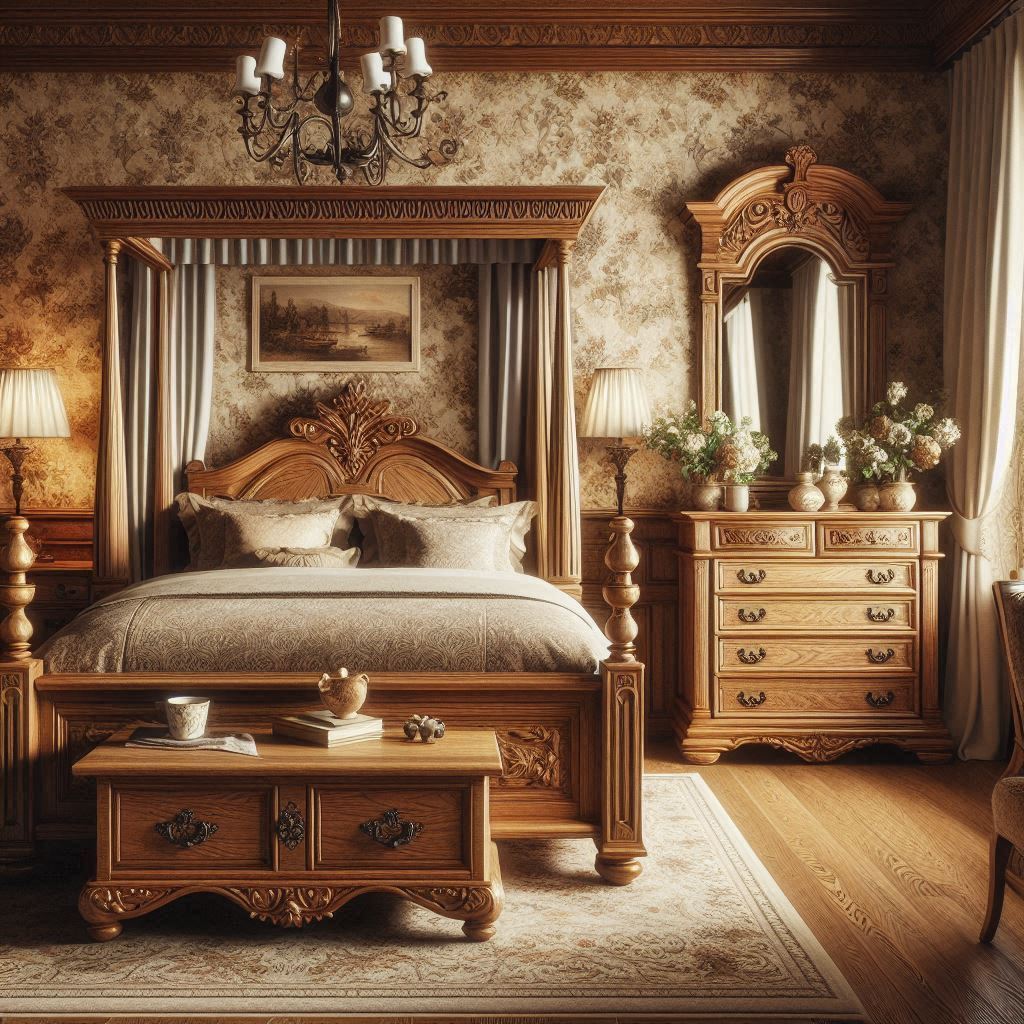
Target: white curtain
815, 362
746, 376
503, 356
984, 282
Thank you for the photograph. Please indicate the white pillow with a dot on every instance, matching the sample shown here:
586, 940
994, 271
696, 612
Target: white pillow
246, 532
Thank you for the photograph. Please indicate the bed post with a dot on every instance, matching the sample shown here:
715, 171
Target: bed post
111, 541
622, 714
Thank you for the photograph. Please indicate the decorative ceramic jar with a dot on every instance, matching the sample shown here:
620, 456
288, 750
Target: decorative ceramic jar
897, 496
866, 498
833, 485
706, 495
737, 497
805, 497
343, 694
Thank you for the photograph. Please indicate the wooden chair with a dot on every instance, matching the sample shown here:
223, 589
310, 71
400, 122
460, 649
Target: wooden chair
1008, 795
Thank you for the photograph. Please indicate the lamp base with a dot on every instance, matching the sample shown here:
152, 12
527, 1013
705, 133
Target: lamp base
16, 454
620, 454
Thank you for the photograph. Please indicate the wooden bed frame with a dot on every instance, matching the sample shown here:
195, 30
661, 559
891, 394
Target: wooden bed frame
572, 744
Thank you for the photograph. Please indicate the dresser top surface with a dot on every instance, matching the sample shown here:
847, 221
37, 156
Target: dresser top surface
776, 515
462, 752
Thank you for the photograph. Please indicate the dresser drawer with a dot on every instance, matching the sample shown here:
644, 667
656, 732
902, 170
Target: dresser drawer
815, 614
816, 576
767, 655
432, 829
824, 697
184, 828
787, 536
849, 537
65, 590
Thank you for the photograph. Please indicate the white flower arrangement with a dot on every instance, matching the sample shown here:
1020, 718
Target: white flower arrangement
893, 443
719, 450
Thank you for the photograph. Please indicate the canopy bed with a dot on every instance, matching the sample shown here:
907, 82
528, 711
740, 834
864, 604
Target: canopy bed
566, 703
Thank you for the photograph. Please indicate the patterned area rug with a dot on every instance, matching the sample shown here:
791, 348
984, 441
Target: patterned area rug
704, 933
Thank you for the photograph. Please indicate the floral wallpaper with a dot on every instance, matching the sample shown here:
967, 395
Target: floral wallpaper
656, 140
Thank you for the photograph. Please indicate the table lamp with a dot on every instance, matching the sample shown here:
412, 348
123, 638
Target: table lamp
30, 406
616, 409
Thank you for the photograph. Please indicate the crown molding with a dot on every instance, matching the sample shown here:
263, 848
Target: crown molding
958, 22
476, 35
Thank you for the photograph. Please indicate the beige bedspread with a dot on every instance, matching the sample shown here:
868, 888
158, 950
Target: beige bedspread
298, 620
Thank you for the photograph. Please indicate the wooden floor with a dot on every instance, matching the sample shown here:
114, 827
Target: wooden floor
887, 862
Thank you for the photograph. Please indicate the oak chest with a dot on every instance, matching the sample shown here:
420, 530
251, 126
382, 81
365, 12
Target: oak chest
816, 633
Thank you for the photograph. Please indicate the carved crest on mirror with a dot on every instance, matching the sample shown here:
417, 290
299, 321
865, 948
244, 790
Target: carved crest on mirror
770, 239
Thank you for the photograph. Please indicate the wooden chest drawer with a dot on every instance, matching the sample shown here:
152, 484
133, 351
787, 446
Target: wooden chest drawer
816, 576
823, 697
791, 537
191, 827
852, 537
63, 590
431, 829
815, 614
765, 655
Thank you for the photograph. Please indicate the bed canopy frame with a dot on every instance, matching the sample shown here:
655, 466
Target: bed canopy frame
126, 220
572, 744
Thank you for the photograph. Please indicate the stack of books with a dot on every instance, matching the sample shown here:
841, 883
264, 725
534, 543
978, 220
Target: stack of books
325, 730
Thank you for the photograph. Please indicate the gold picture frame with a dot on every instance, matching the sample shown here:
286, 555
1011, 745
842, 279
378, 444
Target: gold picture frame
335, 324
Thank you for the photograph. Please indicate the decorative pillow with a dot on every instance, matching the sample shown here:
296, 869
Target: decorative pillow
468, 542
203, 520
364, 504
245, 532
313, 558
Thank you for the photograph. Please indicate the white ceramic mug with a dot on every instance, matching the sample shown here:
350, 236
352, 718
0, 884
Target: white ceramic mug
186, 717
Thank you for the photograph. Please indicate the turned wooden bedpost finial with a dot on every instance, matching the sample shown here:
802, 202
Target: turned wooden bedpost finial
619, 591
16, 593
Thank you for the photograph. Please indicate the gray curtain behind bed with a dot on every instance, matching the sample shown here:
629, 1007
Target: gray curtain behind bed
506, 284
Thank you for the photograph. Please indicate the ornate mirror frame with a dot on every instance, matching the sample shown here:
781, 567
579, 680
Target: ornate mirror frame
826, 210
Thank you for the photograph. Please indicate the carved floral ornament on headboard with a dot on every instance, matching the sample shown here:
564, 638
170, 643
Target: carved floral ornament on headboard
796, 209
353, 427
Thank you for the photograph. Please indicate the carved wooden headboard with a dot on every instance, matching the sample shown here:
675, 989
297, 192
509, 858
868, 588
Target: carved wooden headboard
354, 445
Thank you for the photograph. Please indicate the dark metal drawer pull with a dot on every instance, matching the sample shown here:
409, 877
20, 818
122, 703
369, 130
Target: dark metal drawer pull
881, 614
880, 657
880, 576
751, 657
880, 701
751, 576
291, 829
390, 830
185, 830
746, 616
751, 701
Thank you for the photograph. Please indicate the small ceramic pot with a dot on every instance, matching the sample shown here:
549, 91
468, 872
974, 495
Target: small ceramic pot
737, 497
897, 496
706, 497
866, 497
805, 497
186, 717
343, 694
833, 485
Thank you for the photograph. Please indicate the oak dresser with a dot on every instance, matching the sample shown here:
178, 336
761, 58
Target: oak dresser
812, 632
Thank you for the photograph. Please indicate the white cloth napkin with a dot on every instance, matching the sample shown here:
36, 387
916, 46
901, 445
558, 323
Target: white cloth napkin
148, 736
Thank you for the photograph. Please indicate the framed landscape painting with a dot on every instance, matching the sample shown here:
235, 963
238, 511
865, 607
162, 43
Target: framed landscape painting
335, 324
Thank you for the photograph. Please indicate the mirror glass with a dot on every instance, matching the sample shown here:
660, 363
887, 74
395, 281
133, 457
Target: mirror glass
789, 350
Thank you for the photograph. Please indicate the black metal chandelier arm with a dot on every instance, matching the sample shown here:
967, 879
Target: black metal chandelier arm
262, 150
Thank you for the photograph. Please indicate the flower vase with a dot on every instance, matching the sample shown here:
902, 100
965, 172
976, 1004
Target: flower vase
897, 496
805, 497
706, 495
737, 498
866, 497
833, 486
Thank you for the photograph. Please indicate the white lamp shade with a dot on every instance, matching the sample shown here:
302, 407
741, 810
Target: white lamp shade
416, 58
375, 78
271, 61
617, 404
246, 82
392, 39
31, 404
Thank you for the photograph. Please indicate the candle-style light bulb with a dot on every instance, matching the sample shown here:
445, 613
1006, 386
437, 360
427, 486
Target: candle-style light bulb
392, 39
271, 60
416, 58
246, 82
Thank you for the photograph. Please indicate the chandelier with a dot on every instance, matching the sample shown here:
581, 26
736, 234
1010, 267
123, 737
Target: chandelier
309, 124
